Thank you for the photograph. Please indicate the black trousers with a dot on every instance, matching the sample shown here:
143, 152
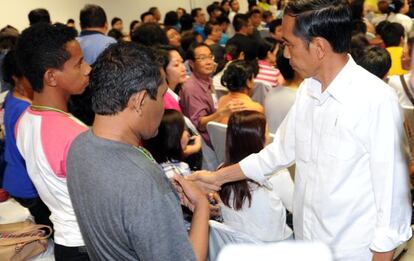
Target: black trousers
64, 253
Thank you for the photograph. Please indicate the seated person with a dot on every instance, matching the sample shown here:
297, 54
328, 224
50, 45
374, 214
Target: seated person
197, 97
268, 73
16, 179
238, 78
126, 207
259, 211
168, 146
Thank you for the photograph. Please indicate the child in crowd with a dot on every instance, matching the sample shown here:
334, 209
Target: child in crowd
267, 63
168, 146
259, 211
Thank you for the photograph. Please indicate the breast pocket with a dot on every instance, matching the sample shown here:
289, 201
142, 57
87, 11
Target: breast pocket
338, 140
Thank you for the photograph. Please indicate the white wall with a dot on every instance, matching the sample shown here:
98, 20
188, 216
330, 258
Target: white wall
14, 12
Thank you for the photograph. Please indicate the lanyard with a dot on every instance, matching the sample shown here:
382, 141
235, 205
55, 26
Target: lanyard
145, 152
47, 108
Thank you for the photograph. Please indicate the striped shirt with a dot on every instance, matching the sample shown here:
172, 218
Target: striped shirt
267, 73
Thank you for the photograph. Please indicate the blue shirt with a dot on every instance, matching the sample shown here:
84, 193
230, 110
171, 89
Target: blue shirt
16, 180
224, 38
199, 28
93, 43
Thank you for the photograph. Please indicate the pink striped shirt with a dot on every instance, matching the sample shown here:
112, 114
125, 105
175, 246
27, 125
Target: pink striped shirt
268, 73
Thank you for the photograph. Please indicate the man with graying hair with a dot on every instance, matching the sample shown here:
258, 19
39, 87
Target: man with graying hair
344, 132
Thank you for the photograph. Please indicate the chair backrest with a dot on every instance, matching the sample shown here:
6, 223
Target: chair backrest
260, 90
222, 235
217, 133
285, 250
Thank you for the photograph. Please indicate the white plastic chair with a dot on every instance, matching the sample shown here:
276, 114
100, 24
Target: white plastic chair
222, 235
260, 90
286, 250
217, 133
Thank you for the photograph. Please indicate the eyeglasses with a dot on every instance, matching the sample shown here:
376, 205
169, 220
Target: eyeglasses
202, 58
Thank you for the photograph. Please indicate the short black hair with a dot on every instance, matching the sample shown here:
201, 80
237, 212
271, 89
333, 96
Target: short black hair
149, 34
10, 68
186, 21
188, 39
171, 18
8, 40
359, 26
70, 21
239, 21
153, 9
223, 19
265, 46
195, 11
169, 135
115, 20
132, 25
190, 55
274, 24
208, 27
329, 19
376, 60
41, 47
39, 15
121, 71
236, 75
116, 34
213, 7
254, 11
92, 16
391, 34
144, 14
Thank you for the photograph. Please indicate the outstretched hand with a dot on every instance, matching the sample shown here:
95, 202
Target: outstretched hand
206, 180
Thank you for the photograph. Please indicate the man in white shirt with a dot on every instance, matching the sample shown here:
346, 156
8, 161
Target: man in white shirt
344, 133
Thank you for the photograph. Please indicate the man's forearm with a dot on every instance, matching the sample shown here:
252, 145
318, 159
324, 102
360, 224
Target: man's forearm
383, 256
230, 174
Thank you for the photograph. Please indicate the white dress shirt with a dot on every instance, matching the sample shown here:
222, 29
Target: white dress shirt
265, 218
351, 183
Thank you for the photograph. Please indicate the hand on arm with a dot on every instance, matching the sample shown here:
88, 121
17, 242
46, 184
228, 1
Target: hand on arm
232, 106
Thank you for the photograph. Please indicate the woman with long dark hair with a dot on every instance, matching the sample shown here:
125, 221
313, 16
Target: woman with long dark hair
259, 211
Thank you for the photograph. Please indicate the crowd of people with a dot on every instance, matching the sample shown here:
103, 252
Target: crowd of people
106, 132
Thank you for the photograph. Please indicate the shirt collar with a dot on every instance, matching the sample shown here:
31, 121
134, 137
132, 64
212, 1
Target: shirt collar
337, 88
89, 32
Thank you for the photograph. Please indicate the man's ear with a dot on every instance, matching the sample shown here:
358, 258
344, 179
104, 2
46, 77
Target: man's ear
322, 46
50, 77
137, 101
191, 63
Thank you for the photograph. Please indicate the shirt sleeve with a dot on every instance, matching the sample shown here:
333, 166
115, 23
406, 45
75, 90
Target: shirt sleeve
277, 155
389, 177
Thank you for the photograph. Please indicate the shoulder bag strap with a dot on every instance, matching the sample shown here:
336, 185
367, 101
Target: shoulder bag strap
406, 90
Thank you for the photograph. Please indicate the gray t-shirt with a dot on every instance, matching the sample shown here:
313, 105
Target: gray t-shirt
126, 207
